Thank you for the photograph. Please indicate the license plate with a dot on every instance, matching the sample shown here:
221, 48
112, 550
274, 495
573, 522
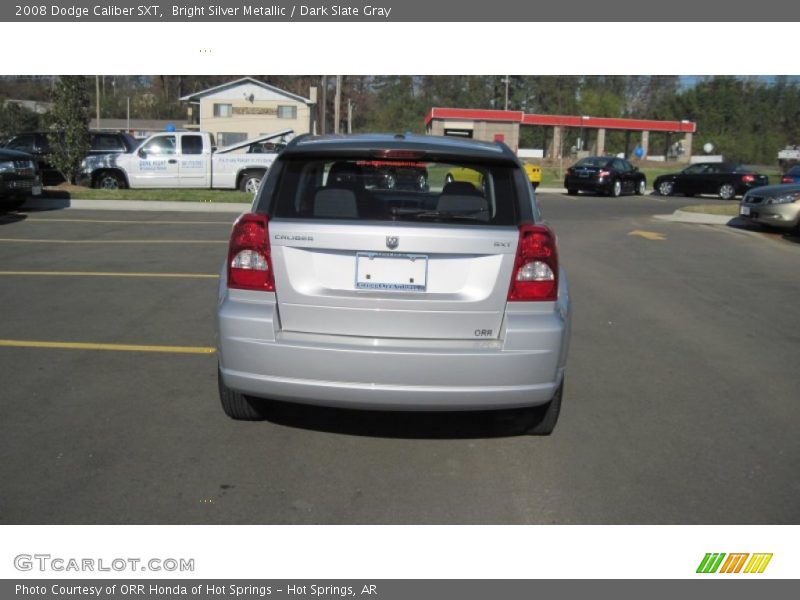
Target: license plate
744, 211
391, 272
36, 190
584, 174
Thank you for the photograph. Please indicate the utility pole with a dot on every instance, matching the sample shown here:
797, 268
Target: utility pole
129, 114
349, 116
337, 104
323, 105
506, 81
97, 99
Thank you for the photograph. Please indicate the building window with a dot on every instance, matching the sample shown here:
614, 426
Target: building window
226, 138
223, 110
287, 112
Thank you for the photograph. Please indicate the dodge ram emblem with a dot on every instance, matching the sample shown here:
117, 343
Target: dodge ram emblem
392, 241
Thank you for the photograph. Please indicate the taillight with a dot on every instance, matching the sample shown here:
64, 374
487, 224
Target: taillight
399, 154
604, 173
786, 179
748, 178
569, 171
249, 261
535, 275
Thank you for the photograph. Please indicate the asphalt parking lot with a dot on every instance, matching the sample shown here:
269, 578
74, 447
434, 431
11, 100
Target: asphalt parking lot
680, 405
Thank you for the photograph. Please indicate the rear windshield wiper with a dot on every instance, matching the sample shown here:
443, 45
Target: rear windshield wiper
469, 215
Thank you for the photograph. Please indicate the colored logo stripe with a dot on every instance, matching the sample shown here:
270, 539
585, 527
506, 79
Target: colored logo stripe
710, 563
758, 563
733, 564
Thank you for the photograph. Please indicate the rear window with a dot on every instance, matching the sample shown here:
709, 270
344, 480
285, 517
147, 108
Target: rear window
103, 142
392, 190
592, 161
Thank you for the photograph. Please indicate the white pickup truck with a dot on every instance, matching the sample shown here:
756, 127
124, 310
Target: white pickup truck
788, 157
185, 159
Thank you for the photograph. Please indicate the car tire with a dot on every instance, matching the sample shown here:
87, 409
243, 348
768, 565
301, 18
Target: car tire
543, 418
238, 406
641, 188
616, 188
109, 180
727, 191
572, 192
250, 181
665, 188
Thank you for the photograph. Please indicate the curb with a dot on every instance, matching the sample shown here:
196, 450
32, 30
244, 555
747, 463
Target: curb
680, 216
138, 205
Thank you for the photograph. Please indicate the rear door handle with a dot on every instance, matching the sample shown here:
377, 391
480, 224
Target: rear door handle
172, 161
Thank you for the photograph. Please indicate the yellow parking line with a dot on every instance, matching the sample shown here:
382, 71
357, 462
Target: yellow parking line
112, 347
38, 241
107, 274
648, 235
227, 223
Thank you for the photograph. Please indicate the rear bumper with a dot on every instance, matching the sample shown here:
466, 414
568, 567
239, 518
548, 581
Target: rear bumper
587, 184
744, 187
523, 368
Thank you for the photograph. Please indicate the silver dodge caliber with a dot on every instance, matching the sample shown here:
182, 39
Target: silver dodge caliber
394, 272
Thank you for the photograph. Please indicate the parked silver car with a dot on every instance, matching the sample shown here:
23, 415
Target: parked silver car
774, 205
339, 291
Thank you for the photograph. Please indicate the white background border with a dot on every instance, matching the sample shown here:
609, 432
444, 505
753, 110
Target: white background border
399, 48
405, 48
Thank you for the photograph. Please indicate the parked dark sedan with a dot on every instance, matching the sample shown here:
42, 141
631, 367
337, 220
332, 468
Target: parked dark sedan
726, 180
792, 175
19, 178
604, 175
398, 175
38, 143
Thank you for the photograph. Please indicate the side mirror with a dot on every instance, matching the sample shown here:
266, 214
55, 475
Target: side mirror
142, 153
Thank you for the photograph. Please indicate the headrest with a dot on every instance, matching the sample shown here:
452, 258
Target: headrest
335, 202
460, 188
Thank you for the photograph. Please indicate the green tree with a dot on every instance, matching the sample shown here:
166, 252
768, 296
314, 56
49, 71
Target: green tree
70, 116
397, 107
15, 118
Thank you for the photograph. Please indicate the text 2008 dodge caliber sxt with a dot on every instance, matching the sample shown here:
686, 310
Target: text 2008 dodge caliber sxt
394, 272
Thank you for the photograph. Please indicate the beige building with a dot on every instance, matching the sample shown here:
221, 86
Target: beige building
246, 108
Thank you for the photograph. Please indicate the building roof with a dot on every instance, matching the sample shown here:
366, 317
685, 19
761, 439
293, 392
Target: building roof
141, 124
36, 106
559, 120
244, 80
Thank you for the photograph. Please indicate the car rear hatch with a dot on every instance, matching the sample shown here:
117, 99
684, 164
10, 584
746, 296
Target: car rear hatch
589, 169
586, 172
351, 258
